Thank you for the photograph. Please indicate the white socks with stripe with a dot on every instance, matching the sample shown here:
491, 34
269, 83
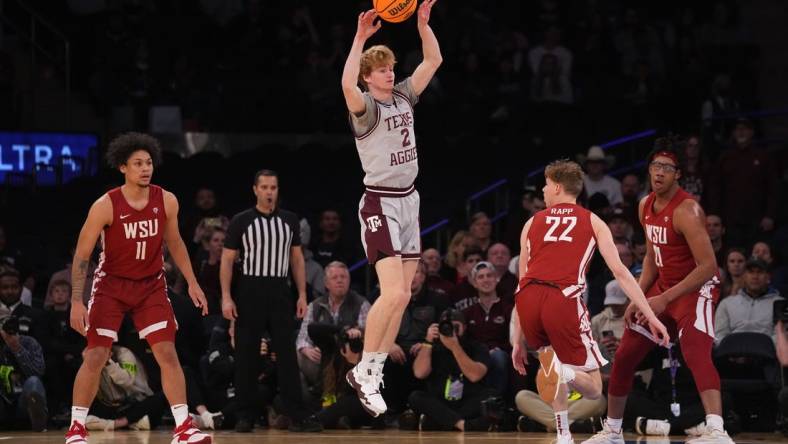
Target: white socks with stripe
179, 412
614, 424
79, 414
562, 423
372, 361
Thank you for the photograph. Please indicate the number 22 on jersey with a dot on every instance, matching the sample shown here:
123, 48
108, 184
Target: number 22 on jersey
567, 223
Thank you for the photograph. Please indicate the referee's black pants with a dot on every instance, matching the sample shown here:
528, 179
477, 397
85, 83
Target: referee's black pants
266, 304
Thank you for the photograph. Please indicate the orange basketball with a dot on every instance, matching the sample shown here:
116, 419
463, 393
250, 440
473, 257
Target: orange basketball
395, 11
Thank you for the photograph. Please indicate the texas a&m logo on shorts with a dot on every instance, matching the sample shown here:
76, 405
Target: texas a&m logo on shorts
374, 223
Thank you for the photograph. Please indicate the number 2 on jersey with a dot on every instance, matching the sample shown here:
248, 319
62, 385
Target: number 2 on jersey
141, 250
554, 222
406, 137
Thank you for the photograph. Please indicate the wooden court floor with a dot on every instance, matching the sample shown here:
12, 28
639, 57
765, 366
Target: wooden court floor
354, 437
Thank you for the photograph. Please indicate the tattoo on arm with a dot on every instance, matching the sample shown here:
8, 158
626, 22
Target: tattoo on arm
78, 278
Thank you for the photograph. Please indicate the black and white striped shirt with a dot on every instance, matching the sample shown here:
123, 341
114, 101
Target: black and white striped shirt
264, 241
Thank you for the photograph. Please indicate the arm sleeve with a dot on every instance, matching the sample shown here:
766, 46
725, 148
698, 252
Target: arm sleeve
303, 334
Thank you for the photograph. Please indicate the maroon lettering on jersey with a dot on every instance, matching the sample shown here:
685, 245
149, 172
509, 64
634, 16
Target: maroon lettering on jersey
561, 243
672, 253
132, 244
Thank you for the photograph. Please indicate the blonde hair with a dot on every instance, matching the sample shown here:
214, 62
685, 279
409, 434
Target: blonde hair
566, 173
374, 57
453, 257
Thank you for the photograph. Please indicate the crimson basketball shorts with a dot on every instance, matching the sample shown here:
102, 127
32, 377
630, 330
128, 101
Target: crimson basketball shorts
145, 300
694, 310
547, 317
389, 220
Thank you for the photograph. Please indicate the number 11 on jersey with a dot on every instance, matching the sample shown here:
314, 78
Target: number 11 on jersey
141, 250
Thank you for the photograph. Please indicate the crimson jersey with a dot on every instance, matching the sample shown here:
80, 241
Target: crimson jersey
560, 245
672, 253
132, 244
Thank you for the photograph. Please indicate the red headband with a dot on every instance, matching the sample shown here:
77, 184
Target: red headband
667, 154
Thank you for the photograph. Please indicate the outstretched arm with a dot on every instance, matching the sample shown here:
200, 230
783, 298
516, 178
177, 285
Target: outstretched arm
431, 50
179, 252
353, 97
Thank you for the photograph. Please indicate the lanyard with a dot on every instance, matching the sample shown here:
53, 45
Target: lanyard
675, 407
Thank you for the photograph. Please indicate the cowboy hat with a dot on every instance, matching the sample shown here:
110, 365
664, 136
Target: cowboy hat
596, 154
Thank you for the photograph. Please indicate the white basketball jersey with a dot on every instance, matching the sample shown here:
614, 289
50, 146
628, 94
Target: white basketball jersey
385, 139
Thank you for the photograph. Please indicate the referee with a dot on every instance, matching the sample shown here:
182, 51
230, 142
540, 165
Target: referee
270, 243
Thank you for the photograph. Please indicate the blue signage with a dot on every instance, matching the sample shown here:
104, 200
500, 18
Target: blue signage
49, 157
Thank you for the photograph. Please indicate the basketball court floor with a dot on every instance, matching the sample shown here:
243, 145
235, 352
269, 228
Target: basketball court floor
355, 437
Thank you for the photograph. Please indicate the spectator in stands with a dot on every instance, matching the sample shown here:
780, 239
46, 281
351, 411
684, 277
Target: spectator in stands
330, 246
315, 276
779, 273
639, 247
637, 41
11, 256
453, 367
744, 187
206, 269
481, 230
596, 180
518, 215
488, 323
749, 310
32, 321
452, 262
342, 308
65, 357
423, 310
620, 227
735, 260
463, 295
432, 261
607, 327
124, 398
499, 256
205, 206
552, 46
716, 231
22, 394
694, 175
65, 275
631, 193
550, 83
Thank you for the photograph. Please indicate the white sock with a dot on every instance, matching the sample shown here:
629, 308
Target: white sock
180, 412
567, 374
380, 360
614, 424
367, 361
714, 422
79, 414
562, 422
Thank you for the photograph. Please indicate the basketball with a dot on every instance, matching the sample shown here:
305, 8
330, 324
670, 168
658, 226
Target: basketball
395, 11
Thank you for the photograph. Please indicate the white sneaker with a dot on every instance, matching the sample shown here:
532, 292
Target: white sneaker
653, 427
564, 439
712, 437
696, 430
367, 387
100, 424
606, 436
142, 424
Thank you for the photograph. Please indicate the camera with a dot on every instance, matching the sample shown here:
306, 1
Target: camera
356, 345
10, 325
445, 325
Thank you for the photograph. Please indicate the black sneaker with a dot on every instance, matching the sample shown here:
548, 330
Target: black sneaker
308, 425
37, 411
408, 420
243, 425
